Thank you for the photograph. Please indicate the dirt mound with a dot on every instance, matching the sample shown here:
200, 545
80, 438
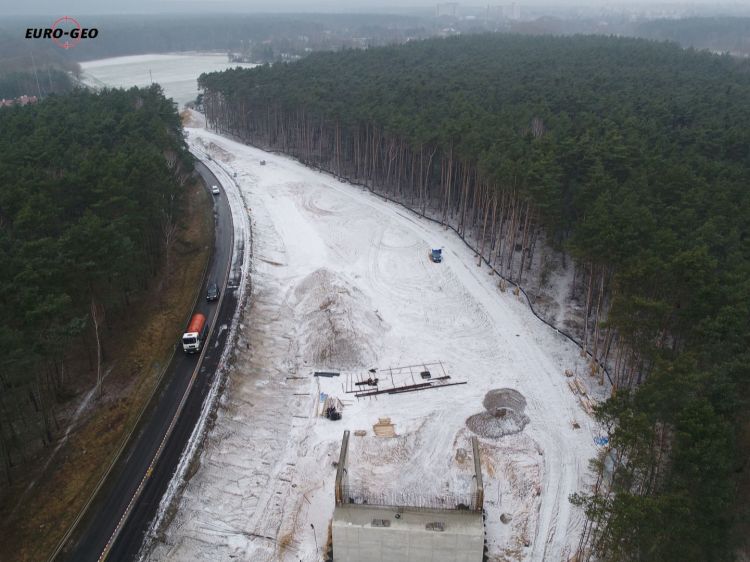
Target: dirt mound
338, 326
217, 152
503, 415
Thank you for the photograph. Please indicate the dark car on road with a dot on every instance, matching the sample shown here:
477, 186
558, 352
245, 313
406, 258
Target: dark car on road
213, 292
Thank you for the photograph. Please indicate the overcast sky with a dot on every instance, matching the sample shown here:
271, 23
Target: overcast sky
78, 7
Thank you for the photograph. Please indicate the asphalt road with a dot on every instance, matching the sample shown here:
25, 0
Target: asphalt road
136, 470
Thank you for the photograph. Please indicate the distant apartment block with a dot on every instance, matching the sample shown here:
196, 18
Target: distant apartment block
513, 12
509, 12
447, 9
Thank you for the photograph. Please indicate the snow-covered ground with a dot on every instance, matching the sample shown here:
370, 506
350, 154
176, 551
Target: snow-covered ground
177, 73
342, 281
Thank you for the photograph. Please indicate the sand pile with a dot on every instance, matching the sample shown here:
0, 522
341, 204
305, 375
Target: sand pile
338, 325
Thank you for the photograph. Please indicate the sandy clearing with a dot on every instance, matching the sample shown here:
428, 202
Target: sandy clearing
266, 473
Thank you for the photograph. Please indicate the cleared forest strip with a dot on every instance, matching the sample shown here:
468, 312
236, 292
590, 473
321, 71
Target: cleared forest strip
431, 212
308, 226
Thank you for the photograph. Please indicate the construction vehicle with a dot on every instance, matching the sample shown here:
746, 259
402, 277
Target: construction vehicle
436, 255
193, 338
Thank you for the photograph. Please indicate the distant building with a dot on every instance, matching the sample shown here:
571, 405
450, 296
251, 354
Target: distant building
368, 529
447, 9
21, 100
513, 12
509, 12
448, 32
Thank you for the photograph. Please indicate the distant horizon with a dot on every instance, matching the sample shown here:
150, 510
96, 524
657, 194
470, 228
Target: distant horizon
301, 7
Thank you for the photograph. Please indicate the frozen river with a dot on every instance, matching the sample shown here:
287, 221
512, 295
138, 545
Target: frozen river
176, 73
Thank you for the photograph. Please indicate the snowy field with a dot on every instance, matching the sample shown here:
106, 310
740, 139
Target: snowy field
176, 73
342, 281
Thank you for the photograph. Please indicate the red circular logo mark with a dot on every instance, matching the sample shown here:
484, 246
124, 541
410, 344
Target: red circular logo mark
71, 32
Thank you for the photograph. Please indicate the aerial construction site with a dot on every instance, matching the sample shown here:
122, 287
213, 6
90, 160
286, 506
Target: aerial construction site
352, 325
